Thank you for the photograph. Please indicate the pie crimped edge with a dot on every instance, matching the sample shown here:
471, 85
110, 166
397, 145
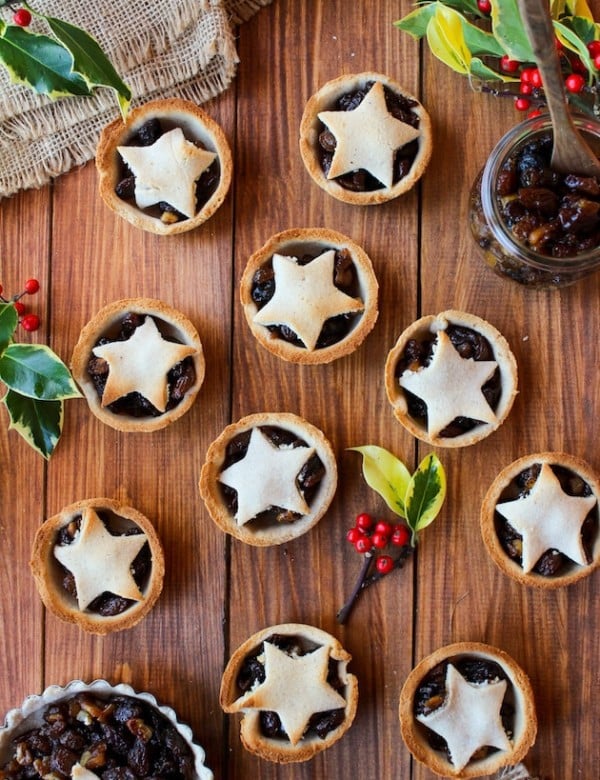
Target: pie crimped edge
294, 242
525, 718
108, 318
431, 324
324, 100
197, 126
21, 719
281, 751
575, 571
45, 569
215, 457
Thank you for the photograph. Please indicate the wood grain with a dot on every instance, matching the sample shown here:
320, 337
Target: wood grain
218, 591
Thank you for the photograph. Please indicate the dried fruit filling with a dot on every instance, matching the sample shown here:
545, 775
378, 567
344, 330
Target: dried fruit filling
106, 604
252, 673
118, 738
470, 345
431, 694
400, 107
180, 378
554, 214
308, 480
147, 135
552, 562
344, 278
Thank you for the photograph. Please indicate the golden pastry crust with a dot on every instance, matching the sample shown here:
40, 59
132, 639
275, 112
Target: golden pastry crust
198, 127
507, 365
324, 100
280, 750
105, 323
48, 573
574, 571
295, 243
520, 691
261, 535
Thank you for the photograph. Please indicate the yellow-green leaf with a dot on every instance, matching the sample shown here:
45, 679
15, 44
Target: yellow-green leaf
508, 29
579, 8
446, 39
38, 422
8, 323
386, 474
36, 371
425, 494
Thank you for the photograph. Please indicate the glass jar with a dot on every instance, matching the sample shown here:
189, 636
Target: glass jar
503, 252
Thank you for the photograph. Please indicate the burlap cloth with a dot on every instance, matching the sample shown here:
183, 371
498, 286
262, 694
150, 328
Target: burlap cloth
160, 49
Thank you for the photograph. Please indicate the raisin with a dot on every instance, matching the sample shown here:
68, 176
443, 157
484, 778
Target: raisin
148, 133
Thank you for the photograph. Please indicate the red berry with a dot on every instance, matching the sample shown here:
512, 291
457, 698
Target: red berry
384, 564
20, 307
526, 88
594, 48
484, 6
575, 82
1, 289
363, 545
526, 75
30, 322
22, 17
383, 527
508, 65
597, 61
379, 540
578, 66
534, 113
558, 45
32, 286
536, 78
353, 535
400, 536
364, 521
522, 104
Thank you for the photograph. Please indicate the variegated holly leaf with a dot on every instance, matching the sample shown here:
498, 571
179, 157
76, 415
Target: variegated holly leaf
425, 494
8, 322
386, 474
34, 370
40, 62
509, 31
38, 422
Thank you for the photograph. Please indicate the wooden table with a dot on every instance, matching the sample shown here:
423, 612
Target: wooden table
218, 591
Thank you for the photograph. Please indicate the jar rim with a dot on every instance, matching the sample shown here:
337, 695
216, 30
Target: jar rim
515, 138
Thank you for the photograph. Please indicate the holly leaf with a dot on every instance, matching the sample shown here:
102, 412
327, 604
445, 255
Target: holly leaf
509, 31
572, 41
38, 422
447, 41
415, 23
386, 474
8, 322
89, 60
40, 62
425, 494
35, 371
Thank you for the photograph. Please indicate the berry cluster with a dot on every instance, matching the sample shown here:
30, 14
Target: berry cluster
368, 536
28, 321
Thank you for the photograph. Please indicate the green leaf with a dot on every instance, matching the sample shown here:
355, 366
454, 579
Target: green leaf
425, 494
481, 71
35, 371
509, 31
89, 60
571, 40
579, 8
386, 474
415, 23
8, 322
447, 41
40, 63
38, 422
479, 41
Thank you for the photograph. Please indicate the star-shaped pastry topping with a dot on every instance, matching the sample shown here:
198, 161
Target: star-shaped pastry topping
295, 687
548, 519
451, 386
305, 297
141, 364
99, 561
367, 137
469, 718
266, 476
167, 170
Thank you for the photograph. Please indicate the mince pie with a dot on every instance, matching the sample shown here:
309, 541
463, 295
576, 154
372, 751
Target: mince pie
166, 168
310, 295
540, 520
292, 686
139, 364
364, 139
451, 379
467, 710
97, 730
98, 564
268, 478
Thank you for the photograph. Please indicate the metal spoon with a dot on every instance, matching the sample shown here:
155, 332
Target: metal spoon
570, 153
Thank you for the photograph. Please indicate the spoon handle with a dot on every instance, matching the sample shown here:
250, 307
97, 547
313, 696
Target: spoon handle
571, 154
